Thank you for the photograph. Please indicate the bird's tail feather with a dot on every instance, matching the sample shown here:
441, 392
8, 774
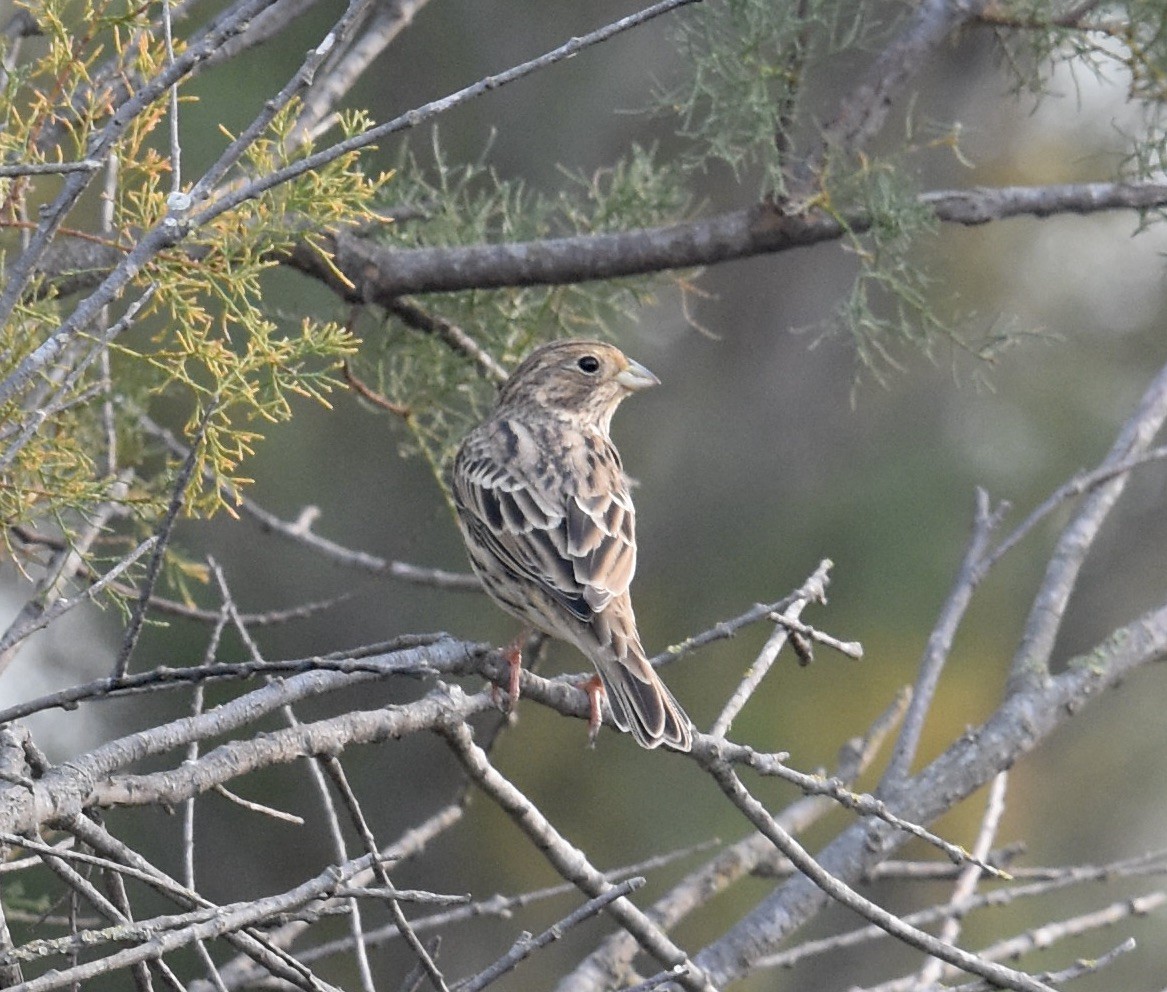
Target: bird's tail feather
646, 708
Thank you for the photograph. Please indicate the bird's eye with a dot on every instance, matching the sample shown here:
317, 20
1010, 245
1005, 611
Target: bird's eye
589, 364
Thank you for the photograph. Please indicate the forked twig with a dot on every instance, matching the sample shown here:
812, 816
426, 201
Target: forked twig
527, 945
757, 814
812, 590
569, 861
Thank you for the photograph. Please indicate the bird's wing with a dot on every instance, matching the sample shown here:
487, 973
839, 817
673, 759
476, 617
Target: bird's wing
561, 519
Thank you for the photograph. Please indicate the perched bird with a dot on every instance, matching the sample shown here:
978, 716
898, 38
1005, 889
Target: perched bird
544, 508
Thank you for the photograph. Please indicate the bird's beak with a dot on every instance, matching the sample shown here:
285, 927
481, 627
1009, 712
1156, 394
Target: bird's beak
635, 376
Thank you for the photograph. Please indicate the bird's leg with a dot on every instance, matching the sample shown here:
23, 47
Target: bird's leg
512, 654
595, 692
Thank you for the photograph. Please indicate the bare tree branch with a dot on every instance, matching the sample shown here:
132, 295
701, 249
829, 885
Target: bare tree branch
1060, 879
1023, 720
757, 814
526, 945
361, 271
568, 860
813, 590
610, 963
1031, 661
936, 653
966, 883
350, 61
244, 971
864, 110
1042, 938
225, 919
405, 656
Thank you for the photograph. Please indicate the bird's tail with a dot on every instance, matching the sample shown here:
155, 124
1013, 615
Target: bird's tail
642, 704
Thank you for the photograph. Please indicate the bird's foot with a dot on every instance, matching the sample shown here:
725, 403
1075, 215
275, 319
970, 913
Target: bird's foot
512, 654
595, 693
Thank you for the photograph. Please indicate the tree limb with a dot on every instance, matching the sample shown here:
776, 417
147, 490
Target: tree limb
361, 270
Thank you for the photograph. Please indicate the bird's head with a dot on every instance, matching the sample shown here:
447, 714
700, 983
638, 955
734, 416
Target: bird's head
587, 379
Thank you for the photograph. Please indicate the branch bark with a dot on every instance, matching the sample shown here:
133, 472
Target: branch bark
360, 270
1024, 720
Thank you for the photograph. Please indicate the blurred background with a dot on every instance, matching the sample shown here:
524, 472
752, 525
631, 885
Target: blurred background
765, 450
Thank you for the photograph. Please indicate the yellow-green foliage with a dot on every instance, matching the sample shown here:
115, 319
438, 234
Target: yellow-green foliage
205, 337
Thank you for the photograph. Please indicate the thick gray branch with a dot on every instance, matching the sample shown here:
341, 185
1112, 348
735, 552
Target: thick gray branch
224, 920
362, 271
1031, 662
66, 790
1022, 722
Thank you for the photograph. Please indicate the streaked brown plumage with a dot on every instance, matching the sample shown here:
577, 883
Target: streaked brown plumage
549, 526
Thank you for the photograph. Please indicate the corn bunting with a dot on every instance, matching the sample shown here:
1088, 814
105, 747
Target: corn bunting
544, 508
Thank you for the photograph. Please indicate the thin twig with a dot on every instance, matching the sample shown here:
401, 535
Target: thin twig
175, 144
188, 826
1076, 486
356, 925
712, 751
336, 773
450, 333
966, 884
1031, 661
757, 814
849, 649
300, 532
722, 630
261, 808
406, 656
268, 618
527, 945
568, 860
814, 589
968, 575
115, 886
363, 389
153, 568
1078, 969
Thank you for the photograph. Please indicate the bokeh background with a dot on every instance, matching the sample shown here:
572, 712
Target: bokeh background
765, 450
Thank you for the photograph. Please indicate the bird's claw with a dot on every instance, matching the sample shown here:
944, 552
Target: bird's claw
512, 654
595, 693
